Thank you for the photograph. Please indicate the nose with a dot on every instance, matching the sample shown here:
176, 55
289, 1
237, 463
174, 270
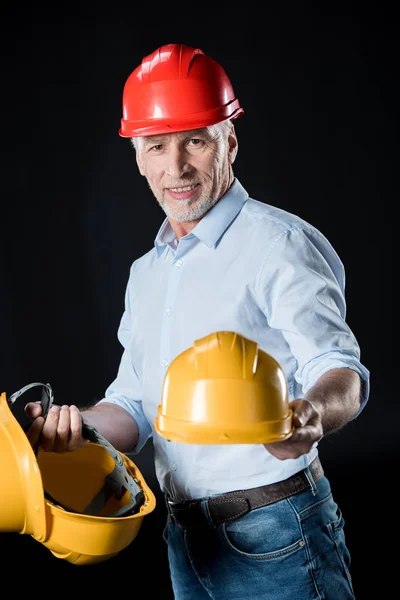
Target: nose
176, 162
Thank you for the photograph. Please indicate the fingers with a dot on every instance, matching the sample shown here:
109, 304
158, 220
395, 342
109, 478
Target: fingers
62, 430
49, 431
61, 439
76, 439
33, 409
307, 430
33, 433
303, 412
307, 423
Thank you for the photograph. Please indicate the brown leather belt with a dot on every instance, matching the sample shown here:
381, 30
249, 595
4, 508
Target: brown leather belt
232, 505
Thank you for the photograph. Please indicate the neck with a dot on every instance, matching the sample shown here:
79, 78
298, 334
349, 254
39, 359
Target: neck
182, 228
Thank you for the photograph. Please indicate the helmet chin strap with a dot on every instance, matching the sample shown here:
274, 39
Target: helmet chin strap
46, 401
115, 483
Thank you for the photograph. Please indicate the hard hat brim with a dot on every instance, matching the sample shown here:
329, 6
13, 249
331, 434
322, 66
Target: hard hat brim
264, 432
161, 126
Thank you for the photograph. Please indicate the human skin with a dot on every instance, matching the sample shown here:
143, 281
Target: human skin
188, 172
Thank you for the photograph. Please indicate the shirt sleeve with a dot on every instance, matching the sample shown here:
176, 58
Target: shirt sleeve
301, 287
126, 389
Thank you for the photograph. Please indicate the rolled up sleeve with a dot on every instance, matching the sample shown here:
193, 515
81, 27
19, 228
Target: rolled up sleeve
126, 389
302, 289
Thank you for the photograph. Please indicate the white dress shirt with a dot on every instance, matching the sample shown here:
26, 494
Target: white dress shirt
246, 267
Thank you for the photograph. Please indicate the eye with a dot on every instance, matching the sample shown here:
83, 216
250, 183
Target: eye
156, 148
195, 142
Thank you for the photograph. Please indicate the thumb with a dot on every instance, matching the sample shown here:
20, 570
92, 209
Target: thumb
33, 410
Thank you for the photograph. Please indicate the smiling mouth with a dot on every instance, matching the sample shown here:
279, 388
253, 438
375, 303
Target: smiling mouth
184, 192
183, 189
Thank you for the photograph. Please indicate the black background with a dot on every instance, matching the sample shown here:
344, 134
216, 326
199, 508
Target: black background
317, 139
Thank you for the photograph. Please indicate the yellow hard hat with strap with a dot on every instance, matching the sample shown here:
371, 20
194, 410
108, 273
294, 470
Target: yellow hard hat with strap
84, 506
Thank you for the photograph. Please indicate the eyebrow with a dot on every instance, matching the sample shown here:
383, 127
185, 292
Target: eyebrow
152, 141
160, 139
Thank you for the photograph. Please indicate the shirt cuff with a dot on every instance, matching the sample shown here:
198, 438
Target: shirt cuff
313, 370
136, 413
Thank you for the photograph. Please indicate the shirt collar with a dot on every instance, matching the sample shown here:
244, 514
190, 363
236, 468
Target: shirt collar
213, 225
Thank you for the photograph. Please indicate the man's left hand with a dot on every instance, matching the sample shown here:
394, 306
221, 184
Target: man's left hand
307, 432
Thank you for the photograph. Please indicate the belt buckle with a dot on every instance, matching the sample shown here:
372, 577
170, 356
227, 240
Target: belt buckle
186, 503
172, 502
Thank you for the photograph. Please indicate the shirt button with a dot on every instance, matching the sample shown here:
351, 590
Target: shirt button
168, 312
173, 467
164, 363
179, 263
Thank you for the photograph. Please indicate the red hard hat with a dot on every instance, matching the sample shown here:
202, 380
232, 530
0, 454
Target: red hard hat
176, 88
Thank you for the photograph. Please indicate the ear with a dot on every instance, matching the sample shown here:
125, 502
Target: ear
232, 145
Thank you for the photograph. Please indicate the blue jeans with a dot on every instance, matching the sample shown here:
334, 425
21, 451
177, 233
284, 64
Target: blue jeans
293, 549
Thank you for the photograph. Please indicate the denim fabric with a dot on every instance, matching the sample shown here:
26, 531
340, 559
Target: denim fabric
294, 549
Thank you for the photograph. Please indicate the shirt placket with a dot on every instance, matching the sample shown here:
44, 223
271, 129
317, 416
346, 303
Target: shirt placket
178, 265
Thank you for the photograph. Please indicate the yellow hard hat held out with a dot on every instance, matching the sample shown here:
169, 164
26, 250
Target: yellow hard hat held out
224, 390
85, 506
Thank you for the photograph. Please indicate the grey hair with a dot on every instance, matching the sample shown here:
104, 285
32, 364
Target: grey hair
225, 127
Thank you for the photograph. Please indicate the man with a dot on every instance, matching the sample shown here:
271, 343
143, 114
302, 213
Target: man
223, 261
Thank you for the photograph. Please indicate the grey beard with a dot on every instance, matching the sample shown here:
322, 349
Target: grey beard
189, 213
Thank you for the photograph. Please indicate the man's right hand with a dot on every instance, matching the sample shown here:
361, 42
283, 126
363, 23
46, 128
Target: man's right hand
60, 431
